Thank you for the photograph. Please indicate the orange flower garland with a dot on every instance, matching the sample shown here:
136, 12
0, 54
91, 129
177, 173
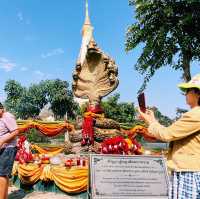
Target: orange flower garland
48, 129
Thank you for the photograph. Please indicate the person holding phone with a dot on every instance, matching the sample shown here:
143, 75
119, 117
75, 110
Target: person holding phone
184, 137
8, 149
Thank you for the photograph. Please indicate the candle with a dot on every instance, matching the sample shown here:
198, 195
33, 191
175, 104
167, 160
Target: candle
68, 163
84, 162
78, 161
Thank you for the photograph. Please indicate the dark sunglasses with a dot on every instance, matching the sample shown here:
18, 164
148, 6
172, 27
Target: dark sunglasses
187, 91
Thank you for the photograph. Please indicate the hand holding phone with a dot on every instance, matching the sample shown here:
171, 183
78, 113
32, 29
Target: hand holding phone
141, 102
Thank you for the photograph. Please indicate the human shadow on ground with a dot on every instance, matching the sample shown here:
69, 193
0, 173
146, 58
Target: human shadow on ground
18, 194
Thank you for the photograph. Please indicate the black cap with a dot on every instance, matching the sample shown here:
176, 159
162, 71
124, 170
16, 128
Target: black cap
1, 105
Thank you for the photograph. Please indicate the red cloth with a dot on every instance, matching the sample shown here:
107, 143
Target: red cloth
88, 131
88, 124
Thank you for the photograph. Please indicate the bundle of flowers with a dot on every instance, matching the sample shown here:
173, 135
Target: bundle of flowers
119, 145
24, 154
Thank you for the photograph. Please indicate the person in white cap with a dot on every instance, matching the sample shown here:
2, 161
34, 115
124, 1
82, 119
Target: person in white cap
184, 137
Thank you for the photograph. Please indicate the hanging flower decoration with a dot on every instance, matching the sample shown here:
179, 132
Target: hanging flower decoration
24, 154
119, 145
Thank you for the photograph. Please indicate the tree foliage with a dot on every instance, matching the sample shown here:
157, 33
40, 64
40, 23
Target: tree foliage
28, 102
60, 98
126, 113
179, 112
170, 33
164, 120
31, 102
119, 111
14, 91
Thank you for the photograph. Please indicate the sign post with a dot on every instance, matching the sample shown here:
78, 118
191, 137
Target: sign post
128, 177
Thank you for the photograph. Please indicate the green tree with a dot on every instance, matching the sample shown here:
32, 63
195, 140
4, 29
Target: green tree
119, 111
31, 102
28, 102
169, 32
60, 98
14, 91
164, 120
179, 112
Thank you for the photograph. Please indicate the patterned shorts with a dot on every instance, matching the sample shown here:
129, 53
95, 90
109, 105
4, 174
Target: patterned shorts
185, 185
7, 157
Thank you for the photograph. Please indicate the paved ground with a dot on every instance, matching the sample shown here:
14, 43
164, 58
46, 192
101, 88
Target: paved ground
15, 193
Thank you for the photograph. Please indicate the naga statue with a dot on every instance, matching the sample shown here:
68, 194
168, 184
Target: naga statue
95, 74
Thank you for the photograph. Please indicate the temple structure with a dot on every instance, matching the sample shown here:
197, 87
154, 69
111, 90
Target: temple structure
95, 74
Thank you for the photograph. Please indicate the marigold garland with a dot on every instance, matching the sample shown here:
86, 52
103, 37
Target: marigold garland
48, 129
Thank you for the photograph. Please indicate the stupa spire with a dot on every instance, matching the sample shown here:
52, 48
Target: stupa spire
87, 18
87, 34
87, 26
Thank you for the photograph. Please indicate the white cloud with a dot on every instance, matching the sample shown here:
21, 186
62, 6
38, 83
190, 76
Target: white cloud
39, 73
20, 16
22, 19
41, 76
23, 68
53, 52
6, 64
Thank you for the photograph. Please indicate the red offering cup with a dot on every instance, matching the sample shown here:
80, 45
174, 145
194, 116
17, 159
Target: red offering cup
78, 161
68, 163
84, 162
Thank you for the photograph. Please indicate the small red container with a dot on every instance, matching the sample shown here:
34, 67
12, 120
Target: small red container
84, 162
78, 162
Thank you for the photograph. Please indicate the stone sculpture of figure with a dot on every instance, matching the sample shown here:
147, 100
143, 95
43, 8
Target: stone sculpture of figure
95, 74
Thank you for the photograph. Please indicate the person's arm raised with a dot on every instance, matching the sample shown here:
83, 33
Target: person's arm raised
188, 124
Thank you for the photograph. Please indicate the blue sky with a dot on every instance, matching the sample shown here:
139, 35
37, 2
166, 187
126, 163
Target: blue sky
41, 40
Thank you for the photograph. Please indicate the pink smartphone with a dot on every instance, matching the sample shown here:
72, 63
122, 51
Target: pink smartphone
141, 102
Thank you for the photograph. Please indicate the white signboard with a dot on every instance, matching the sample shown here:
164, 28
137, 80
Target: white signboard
128, 177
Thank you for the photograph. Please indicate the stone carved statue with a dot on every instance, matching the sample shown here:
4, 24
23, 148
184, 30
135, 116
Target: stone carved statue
95, 74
